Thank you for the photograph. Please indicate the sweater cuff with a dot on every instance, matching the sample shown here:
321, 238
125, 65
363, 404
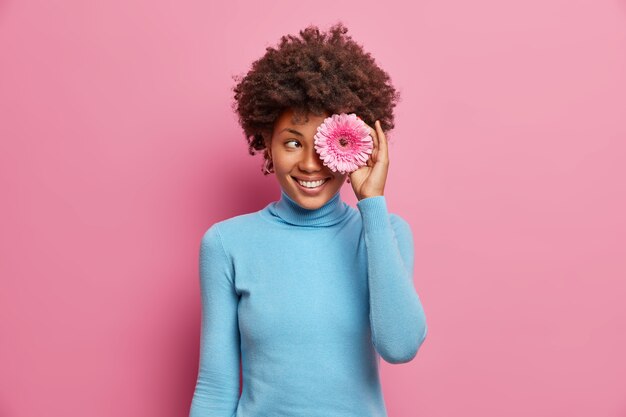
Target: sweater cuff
374, 213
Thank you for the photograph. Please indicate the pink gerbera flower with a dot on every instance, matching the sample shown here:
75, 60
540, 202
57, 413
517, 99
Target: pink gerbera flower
343, 142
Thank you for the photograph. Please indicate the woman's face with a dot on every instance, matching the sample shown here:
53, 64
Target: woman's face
295, 160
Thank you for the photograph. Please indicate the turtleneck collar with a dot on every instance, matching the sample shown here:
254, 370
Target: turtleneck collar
288, 211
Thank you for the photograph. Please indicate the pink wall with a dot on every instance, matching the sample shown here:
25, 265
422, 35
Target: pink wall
119, 149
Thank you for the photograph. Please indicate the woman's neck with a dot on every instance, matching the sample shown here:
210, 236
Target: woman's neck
330, 213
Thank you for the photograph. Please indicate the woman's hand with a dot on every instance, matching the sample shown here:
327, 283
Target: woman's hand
369, 180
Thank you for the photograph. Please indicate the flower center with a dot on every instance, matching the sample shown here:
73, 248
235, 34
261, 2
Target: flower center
343, 141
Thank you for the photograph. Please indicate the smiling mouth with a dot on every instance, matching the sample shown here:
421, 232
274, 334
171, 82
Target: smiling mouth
311, 184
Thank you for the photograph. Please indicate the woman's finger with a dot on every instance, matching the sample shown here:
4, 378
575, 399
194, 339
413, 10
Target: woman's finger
383, 151
374, 136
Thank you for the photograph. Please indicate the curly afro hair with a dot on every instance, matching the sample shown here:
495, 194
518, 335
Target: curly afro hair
316, 73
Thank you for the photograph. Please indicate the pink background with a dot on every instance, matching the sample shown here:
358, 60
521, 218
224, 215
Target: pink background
119, 149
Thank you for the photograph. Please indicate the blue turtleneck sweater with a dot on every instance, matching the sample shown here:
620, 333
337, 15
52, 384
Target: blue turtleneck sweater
308, 300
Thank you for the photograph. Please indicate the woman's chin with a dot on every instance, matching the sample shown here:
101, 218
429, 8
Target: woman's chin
311, 197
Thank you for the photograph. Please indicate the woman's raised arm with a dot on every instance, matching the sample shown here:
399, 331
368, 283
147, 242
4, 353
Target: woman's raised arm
397, 317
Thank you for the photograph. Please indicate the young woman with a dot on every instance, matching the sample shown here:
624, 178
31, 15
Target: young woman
307, 294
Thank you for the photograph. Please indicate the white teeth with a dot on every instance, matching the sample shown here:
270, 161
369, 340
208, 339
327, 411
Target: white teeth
311, 184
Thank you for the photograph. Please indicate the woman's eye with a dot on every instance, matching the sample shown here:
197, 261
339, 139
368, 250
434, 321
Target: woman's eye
292, 143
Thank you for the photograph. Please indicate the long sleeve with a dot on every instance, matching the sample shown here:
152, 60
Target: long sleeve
397, 318
217, 388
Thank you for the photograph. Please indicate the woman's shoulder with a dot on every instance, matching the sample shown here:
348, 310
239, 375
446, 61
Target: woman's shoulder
399, 222
237, 229
240, 222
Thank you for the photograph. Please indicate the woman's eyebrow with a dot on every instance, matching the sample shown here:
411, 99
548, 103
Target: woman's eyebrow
295, 132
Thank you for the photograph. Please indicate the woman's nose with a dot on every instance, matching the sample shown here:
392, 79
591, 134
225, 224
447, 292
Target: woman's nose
310, 161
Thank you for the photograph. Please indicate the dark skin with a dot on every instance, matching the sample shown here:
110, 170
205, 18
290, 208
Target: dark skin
369, 180
294, 157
